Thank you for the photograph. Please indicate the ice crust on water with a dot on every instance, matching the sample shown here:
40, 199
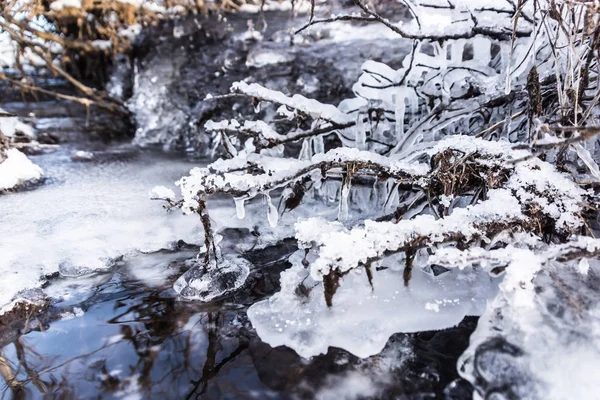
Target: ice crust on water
363, 318
206, 283
84, 219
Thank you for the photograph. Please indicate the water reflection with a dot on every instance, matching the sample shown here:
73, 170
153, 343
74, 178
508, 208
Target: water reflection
134, 341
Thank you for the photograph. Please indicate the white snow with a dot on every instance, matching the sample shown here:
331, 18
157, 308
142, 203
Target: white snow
378, 238
59, 5
17, 169
161, 193
551, 314
13, 125
102, 44
312, 107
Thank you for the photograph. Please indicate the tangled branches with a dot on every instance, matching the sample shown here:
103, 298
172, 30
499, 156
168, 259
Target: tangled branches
77, 41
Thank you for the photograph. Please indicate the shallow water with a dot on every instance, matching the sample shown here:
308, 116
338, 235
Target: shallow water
128, 338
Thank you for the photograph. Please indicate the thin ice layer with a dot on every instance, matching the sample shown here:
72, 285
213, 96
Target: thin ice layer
84, 218
226, 275
363, 318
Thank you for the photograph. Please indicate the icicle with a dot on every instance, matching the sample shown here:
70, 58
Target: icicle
457, 49
360, 132
249, 146
318, 145
507, 58
392, 195
217, 239
228, 145
399, 100
272, 214
239, 207
330, 190
305, 151
343, 207
482, 49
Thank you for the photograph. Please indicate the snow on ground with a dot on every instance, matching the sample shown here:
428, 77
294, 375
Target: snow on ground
13, 125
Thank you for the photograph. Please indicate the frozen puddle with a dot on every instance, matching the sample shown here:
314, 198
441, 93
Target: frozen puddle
85, 218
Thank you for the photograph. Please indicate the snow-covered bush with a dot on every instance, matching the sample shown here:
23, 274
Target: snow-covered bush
458, 178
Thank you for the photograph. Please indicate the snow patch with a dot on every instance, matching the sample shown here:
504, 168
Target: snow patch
17, 170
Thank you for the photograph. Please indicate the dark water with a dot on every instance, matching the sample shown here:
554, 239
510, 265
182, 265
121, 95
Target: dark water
127, 339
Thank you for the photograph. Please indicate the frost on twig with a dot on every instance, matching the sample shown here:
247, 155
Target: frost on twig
476, 151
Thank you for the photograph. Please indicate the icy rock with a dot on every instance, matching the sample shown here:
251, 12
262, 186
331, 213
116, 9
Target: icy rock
218, 279
17, 170
538, 340
262, 55
363, 318
82, 156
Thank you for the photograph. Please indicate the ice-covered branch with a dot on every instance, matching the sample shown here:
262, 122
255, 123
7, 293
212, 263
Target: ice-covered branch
530, 196
497, 260
266, 137
310, 107
249, 175
464, 24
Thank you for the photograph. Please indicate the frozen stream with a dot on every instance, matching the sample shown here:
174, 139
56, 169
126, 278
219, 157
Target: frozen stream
121, 332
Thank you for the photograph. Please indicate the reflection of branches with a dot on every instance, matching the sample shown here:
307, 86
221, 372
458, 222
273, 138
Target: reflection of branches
33, 375
211, 367
10, 377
